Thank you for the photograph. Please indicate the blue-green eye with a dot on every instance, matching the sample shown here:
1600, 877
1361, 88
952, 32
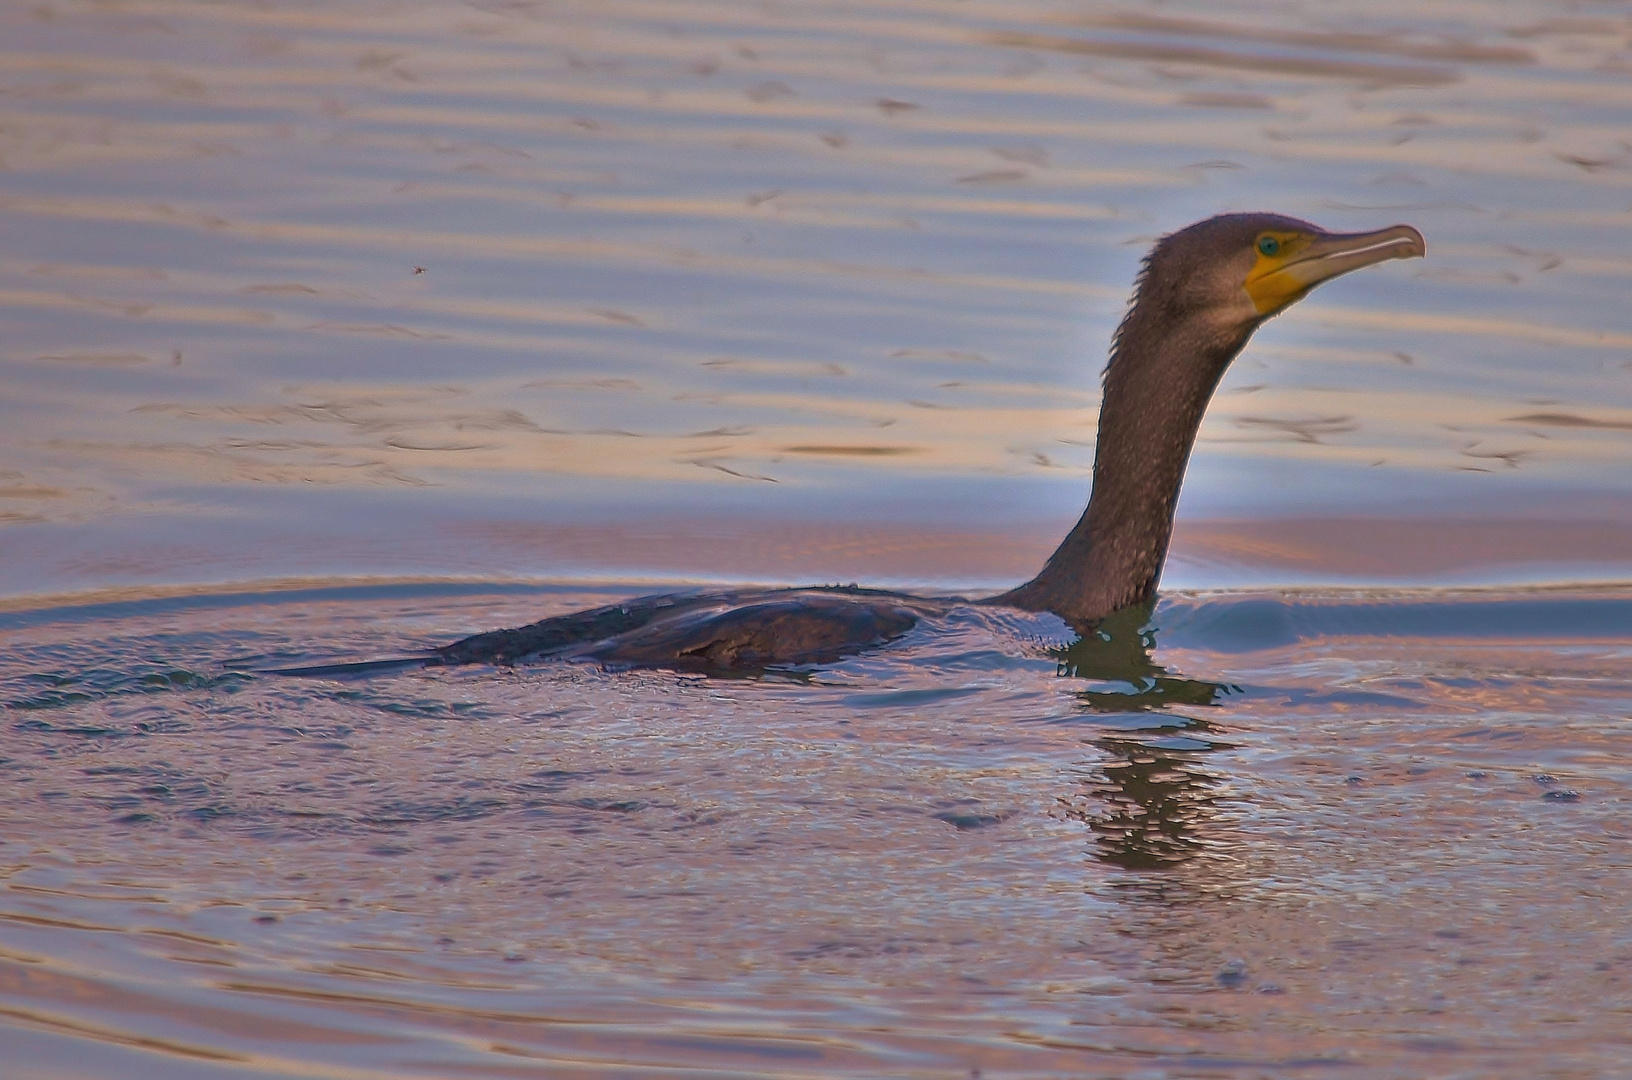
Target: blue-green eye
1268, 245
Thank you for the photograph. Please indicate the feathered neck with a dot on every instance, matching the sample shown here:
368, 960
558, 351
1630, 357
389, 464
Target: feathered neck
1165, 364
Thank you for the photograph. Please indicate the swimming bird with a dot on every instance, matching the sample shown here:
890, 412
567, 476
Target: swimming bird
1199, 295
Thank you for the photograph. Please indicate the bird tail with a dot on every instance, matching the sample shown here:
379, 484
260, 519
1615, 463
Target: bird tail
354, 670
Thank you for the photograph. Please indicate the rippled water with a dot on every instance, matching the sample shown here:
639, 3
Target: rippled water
340, 329
1388, 832
304, 289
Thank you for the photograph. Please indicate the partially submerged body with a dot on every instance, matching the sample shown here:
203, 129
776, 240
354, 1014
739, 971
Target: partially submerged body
715, 633
710, 632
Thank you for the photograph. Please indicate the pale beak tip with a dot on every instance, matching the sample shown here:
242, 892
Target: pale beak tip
1416, 246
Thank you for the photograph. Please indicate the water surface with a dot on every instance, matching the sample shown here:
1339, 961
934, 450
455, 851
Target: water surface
381, 288
1384, 832
340, 329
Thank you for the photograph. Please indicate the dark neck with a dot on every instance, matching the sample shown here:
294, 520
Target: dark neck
1161, 375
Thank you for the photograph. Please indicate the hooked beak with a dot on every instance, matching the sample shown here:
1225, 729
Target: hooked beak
1327, 256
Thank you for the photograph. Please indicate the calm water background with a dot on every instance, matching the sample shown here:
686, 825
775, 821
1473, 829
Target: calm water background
339, 329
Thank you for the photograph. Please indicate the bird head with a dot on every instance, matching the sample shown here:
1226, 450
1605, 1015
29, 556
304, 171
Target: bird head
1233, 271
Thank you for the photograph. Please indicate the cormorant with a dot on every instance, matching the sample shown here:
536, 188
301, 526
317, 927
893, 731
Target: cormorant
1200, 294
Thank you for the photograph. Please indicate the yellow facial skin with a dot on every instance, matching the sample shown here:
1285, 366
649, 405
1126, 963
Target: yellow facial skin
1297, 261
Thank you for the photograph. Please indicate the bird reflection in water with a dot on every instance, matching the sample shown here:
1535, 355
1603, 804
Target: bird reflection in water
1152, 803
